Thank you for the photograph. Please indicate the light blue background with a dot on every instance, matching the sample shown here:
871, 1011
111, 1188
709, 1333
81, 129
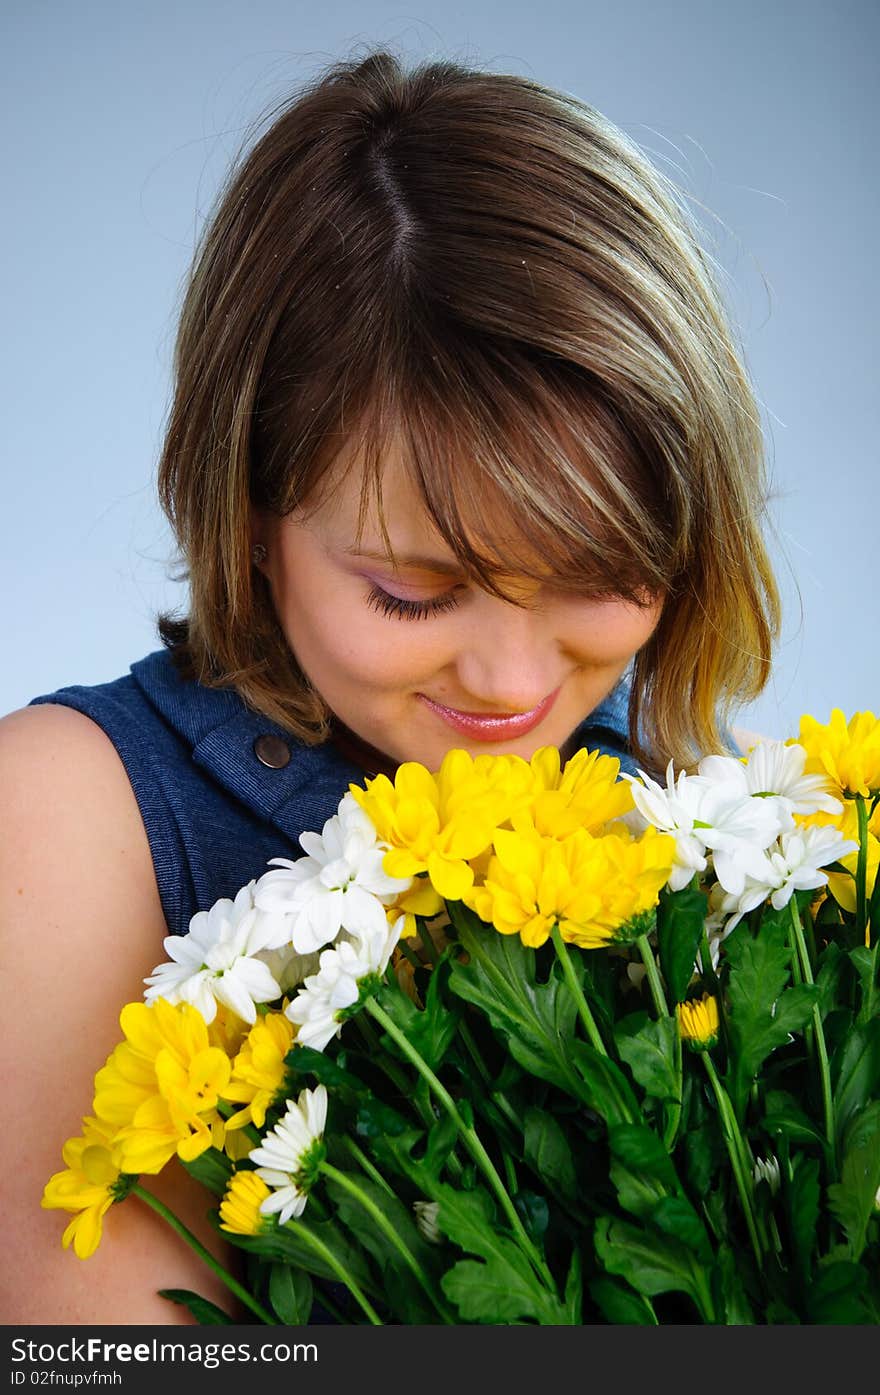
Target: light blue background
120, 122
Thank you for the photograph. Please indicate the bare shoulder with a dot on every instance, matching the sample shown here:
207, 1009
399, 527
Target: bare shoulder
746, 739
81, 925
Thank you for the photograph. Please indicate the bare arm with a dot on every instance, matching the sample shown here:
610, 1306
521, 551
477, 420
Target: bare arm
81, 924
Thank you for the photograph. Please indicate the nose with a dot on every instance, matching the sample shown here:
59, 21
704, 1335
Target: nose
510, 662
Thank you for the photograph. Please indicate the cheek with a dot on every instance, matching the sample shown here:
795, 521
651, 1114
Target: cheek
613, 632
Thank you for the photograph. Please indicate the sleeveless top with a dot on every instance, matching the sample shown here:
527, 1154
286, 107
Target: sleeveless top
213, 811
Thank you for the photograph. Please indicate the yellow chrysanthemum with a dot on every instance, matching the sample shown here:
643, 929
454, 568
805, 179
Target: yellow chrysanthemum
591, 886
698, 1022
585, 793
842, 885
420, 900
89, 1185
848, 751
258, 1070
160, 1087
437, 823
240, 1207
227, 1031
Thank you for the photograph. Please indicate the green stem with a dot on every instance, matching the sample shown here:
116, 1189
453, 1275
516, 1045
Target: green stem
469, 1138
360, 1157
810, 937
650, 964
381, 1220
673, 1112
818, 1035
866, 1012
404, 1086
730, 1129
195, 1244
706, 967
409, 954
576, 991
794, 956
326, 1254
862, 924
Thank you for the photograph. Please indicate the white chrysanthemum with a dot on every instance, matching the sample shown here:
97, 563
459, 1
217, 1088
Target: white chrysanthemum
288, 968
426, 1219
216, 961
673, 810
338, 885
794, 864
774, 771
288, 1157
767, 1170
325, 995
705, 815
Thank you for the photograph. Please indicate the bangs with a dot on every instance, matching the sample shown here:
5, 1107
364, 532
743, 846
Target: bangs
526, 471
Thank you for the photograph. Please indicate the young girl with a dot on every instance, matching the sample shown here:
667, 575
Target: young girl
462, 453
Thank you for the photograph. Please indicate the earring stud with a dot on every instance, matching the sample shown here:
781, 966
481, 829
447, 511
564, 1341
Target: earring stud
258, 553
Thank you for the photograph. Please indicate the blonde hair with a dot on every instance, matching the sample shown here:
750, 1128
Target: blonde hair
495, 272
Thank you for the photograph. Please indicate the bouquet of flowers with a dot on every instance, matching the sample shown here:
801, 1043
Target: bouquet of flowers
518, 1042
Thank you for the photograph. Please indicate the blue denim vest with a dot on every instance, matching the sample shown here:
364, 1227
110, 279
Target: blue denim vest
213, 812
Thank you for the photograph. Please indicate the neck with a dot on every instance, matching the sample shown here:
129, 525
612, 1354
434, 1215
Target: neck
370, 759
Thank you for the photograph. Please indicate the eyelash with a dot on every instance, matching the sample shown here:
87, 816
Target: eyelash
387, 604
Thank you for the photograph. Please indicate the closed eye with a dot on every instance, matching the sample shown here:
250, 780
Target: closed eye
387, 604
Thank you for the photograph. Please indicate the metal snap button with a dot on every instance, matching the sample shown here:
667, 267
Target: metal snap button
272, 751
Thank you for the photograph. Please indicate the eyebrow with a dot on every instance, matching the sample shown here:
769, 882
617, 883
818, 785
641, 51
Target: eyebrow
428, 564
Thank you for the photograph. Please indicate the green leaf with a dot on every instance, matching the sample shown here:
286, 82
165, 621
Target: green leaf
367, 1231
855, 1071
637, 1147
212, 1169
501, 1288
649, 1049
763, 1013
294, 1249
619, 1304
304, 1060
829, 977
785, 1117
802, 1207
537, 1019
731, 1291
651, 1263
864, 962
675, 1216
534, 1213
206, 1313
442, 1138
835, 1295
574, 1289
605, 1087
431, 1030
548, 1152
704, 1151
853, 1199
680, 919
290, 1294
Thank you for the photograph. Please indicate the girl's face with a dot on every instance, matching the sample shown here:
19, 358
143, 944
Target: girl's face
415, 659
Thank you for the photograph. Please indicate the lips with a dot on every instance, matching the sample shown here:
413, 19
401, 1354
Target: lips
491, 726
